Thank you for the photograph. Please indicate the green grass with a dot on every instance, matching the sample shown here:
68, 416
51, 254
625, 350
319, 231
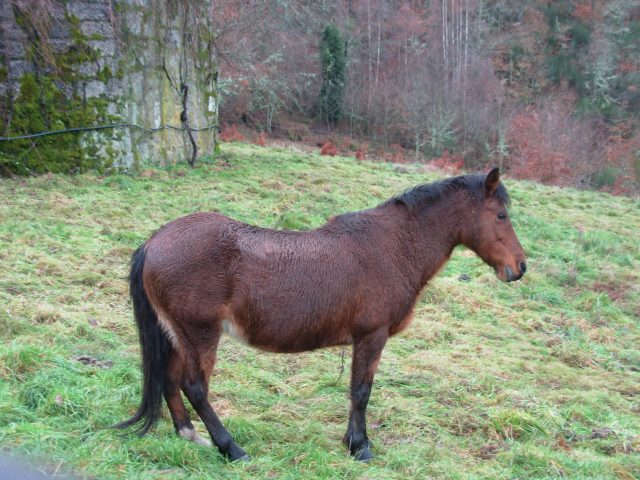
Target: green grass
530, 380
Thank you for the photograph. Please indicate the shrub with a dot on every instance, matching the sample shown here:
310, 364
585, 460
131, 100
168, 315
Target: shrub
580, 34
452, 164
230, 133
547, 144
333, 57
605, 177
328, 149
261, 140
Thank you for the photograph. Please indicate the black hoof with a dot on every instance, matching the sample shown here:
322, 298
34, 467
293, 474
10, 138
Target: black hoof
238, 455
243, 458
364, 455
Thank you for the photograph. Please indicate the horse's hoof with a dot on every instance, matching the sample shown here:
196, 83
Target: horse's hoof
363, 455
243, 458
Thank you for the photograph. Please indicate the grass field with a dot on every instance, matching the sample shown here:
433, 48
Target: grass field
530, 380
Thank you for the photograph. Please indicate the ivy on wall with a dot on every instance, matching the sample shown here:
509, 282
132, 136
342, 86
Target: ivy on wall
51, 98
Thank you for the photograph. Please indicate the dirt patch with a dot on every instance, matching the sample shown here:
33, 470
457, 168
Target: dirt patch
462, 424
490, 450
616, 291
223, 407
93, 362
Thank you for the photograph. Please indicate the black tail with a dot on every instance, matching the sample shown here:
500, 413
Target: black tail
154, 346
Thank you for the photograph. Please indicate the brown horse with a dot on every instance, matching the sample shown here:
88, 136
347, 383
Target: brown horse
353, 281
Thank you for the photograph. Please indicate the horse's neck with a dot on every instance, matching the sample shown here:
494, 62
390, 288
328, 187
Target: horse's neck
439, 227
423, 242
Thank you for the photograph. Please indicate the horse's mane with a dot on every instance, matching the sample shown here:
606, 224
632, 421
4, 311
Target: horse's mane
421, 196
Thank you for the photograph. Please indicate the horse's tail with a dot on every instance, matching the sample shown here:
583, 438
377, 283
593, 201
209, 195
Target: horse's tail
154, 346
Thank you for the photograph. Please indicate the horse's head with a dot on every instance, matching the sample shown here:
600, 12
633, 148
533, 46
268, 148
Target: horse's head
491, 234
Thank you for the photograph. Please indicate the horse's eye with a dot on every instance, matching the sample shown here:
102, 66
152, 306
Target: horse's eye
502, 216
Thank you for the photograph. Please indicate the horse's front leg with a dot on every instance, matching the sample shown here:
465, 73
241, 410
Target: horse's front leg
366, 355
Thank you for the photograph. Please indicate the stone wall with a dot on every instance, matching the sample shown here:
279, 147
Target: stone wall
87, 62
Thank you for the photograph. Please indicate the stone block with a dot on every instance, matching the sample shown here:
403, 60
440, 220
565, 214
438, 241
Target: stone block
66, 88
6, 12
103, 29
13, 49
94, 88
89, 11
60, 45
59, 30
12, 31
57, 12
134, 23
88, 69
107, 47
17, 68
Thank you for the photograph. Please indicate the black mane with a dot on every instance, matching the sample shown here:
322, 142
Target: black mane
420, 196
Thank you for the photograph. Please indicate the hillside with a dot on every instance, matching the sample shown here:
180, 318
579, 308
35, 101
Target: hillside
550, 90
534, 379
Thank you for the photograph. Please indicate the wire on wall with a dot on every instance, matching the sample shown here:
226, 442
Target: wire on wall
105, 127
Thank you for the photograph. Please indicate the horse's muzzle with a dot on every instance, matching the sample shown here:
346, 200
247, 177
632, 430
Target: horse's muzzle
511, 276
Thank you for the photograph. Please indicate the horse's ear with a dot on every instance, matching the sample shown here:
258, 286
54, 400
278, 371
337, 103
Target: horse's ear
492, 181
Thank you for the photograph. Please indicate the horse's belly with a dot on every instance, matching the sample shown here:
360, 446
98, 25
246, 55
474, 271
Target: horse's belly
287, 335
299, 342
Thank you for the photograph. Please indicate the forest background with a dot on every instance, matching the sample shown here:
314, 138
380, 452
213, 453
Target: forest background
547, 90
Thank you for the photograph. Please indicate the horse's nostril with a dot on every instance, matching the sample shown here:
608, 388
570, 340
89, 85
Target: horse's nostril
523, 267
508, 273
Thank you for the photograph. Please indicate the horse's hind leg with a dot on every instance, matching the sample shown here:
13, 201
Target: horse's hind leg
195, 385
179, 414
